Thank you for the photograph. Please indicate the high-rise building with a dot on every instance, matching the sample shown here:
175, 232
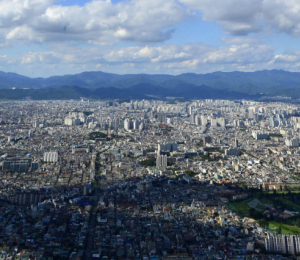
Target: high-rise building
192, 118
236, 143
273, 123
213, 122
17, 164
162, 118
292, 142
50, 157
198, 120
283, 244
168, 146
72, 121
142, 126
136, 124
127, 124
207, 140
259, 135
203, 121
221, 122
234, 152
161, 161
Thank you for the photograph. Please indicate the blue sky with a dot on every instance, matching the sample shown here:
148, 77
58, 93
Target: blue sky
50, 37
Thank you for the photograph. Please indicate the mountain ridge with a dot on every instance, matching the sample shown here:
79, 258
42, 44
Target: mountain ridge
135, 92
268, 82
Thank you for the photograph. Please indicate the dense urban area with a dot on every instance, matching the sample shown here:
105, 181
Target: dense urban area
149, 180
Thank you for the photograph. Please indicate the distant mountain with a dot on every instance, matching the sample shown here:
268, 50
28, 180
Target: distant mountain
273, 82
139, 91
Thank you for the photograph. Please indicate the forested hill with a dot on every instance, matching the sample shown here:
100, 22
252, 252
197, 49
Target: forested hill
232, 84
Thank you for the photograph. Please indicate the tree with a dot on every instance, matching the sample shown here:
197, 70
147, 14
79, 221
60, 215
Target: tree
266, 187
262, 222
190, 173
279, 229
298, 222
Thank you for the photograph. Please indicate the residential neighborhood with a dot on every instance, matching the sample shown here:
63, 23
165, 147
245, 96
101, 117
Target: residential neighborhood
144, 179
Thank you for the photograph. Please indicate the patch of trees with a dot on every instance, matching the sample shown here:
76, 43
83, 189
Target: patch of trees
149, 162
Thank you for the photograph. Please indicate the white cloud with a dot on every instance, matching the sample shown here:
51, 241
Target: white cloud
241, 17
283, 15
19, 12
167, 58
101, 22
97, 22
145, 25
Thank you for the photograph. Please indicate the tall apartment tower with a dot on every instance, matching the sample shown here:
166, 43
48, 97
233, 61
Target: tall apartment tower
192, 118
162, 118
236, 143
161, 161
136, 124
127, 124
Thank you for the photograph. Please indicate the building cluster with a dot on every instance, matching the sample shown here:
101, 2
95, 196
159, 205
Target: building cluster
169, 218
283, 244
145, 179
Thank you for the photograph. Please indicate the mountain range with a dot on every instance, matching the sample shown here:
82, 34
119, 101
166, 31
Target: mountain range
97, 84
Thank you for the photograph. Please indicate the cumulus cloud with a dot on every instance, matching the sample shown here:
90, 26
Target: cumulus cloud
63, 58
143, 21
241, 17
283, 15
101, 22
97, 22
167, 58
19, 12
146, 25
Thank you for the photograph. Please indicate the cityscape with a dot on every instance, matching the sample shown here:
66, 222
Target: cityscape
149, 179
149, 130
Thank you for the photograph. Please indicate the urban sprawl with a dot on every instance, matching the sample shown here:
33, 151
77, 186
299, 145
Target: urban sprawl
149, 180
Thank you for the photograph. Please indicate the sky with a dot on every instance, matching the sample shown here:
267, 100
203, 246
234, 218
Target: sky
42, 38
